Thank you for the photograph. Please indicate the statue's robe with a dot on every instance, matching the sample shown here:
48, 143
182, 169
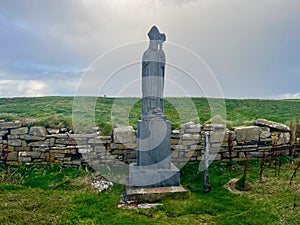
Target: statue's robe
153, 71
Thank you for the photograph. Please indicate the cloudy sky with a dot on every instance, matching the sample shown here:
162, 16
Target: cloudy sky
247, 48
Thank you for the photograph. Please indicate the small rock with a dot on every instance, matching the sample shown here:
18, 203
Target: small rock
102, 185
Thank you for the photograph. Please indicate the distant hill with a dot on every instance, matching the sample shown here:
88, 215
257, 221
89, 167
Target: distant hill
57, 111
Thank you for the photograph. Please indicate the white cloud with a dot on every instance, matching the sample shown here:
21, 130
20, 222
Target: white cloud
289, 96
23, 88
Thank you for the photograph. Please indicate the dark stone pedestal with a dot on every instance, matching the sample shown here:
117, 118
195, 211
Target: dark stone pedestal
154, 143
153, 168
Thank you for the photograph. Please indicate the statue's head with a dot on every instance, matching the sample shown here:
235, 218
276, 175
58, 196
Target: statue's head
154, 34
155, 38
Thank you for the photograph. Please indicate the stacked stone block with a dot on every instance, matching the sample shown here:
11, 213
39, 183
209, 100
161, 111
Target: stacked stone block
20, 143
124, 144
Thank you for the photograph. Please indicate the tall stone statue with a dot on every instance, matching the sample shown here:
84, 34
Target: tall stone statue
153, 167
153, 73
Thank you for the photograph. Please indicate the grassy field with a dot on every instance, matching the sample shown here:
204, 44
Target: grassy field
57, 111
54, 195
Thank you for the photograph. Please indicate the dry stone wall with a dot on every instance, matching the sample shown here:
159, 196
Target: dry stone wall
20, 144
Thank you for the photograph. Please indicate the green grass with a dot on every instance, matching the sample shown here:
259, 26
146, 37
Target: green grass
57, 111
53, 195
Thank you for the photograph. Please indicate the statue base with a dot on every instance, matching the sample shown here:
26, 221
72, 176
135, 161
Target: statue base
139, 177
154, 143
148, 195
154, 167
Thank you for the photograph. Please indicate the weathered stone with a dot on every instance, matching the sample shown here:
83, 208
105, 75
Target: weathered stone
81, 141
23, 149
23, 157
38, 160
245, 148
65, 141
38, 131
117, 152
19, 131
3, 132
213, 127
39, 143
34, 155
265, 133
40, 149
175, 132
180, 147
124, 146
64, 151
49, 157
100, 140
190, 137
10, 148
188, 142
67, 136
247, 133
85, 150
13, 163
226, 155
10, 125
280, 138
174, 141
216, 137
59, 155
129, 154
58, 147
96, 140
51, 142
273, 125
12, 156
124, 135
196, 147
100, 148
32, 138
192, 128
14, 142
52, 131
13, 136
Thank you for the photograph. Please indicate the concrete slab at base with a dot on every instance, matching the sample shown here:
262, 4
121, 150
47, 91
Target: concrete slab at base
140, 195
149, 178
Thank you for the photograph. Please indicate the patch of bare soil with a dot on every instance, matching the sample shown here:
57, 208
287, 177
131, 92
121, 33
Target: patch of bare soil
230, 186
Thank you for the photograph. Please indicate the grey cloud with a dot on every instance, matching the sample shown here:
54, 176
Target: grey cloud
252, 46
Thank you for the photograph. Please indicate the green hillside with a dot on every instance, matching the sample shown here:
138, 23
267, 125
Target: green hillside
57, 111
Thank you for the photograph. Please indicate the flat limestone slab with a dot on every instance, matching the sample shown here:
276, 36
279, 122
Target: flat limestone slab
140, 177
152, 194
